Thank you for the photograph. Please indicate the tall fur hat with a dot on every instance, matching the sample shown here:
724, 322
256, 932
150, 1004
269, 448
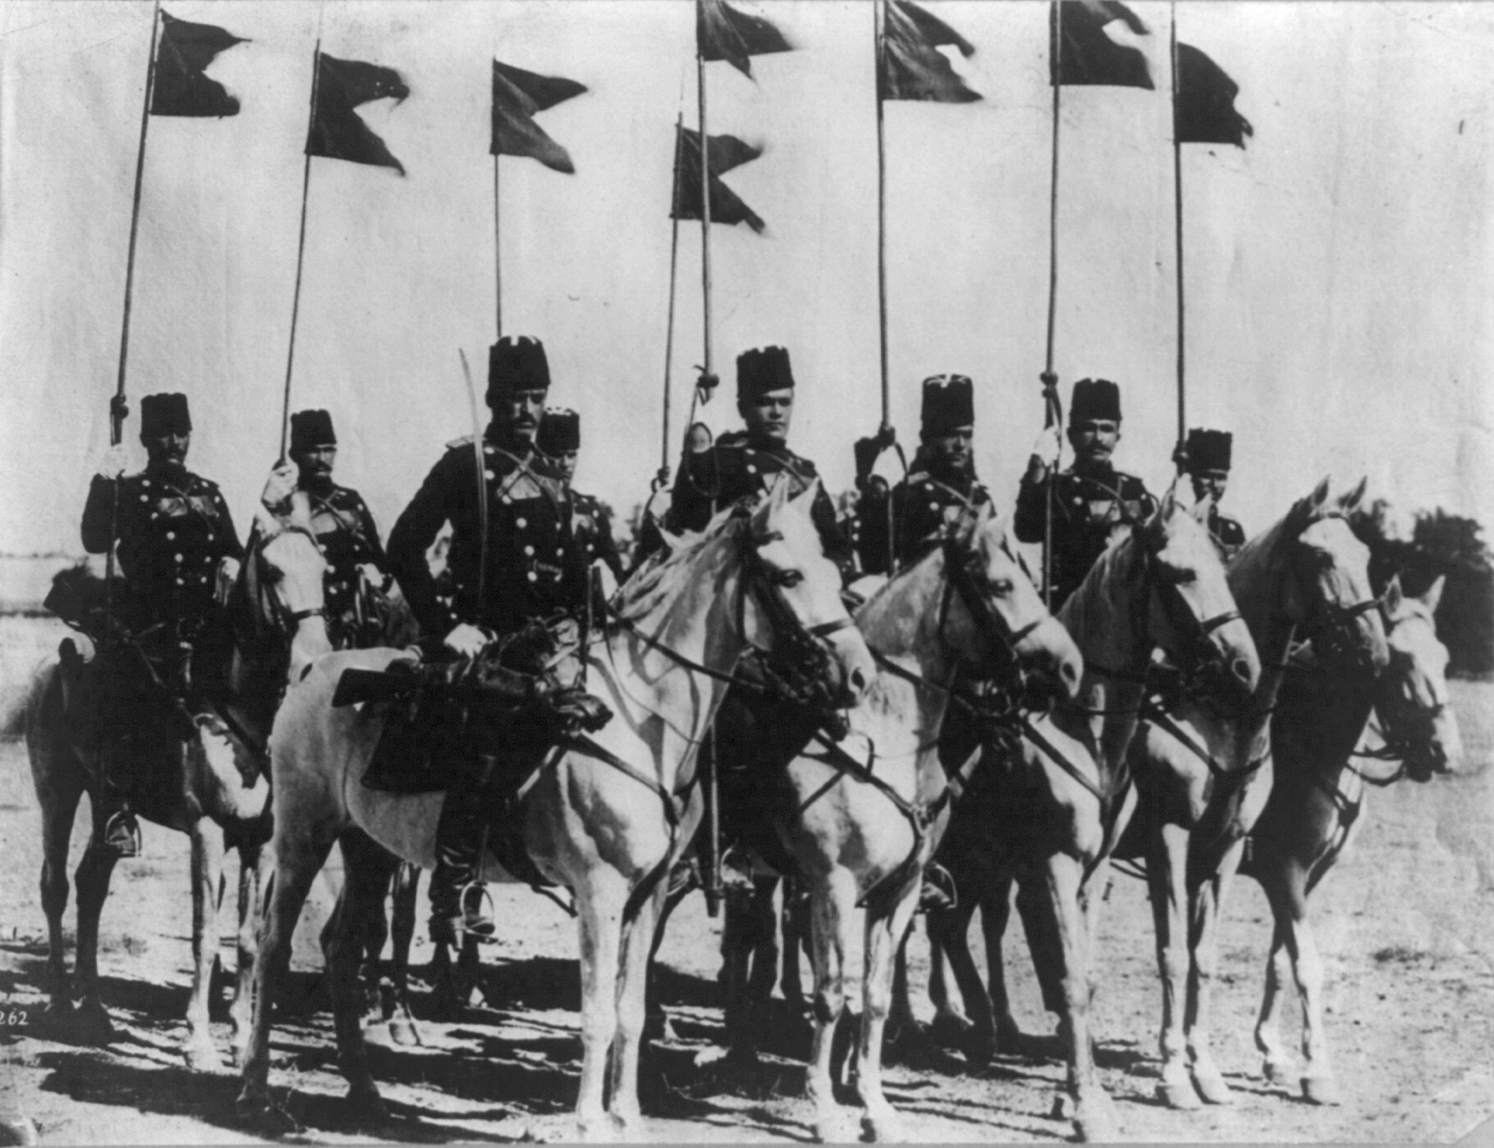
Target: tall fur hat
559, 432
311, 429
1095, 399
517, 364
948, 404
1209, 450
165, 414
761, 370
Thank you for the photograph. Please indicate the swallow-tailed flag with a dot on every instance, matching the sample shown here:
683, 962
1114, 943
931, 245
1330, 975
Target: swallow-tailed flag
517, 96
337, 132
1087, 55
1206, 102
182, 56
726, 152
725, 33
913, 68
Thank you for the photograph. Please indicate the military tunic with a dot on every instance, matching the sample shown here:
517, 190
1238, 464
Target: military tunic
1227, 534
174, 529
731, 469
1088, 506
922, 506
534, 567
349, 538
593, 530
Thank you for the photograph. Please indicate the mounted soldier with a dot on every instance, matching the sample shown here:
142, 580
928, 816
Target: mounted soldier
1206, 458
559, 440
1091, 500
356, 586
515, 567
179, 554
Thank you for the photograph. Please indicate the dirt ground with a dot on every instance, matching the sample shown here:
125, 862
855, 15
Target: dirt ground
1406, 925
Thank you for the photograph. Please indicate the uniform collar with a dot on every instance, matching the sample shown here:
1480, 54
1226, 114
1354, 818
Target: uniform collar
1099, 471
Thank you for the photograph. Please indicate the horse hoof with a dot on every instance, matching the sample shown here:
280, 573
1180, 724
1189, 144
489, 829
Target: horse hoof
91, 1024
259, 1114
402, 1031
1180, 1096
884, 1128
606, 1129
368, 1106
836, 1127
1321, 1090
1008, 1040
1277, 1072
201, 1056
1097, 1126
1211, 1085
19, 1130
950, 1030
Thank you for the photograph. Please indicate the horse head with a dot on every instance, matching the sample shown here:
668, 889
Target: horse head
791, 603
1326, 590
1008, 634
1411, 695
1189, 610
282, 582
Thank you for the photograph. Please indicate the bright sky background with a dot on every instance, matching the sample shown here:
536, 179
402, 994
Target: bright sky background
1340, 295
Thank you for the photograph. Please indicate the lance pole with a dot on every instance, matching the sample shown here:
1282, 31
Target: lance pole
482, 488
497, 257
1177, 194
674, 248
290, 356
1051, 414
878, 32
705, 205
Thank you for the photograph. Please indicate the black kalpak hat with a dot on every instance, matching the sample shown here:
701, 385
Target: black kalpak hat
517, 364
165, 414
311, 429
1209, 450
761, 370
1095, 399
559, 432
948, 404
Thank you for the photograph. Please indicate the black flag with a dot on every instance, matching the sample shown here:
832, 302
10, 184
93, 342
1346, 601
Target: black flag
726, 152
1087, 55
913, 68
1206, 102
724, 33
184, 51
337, 132
517, 96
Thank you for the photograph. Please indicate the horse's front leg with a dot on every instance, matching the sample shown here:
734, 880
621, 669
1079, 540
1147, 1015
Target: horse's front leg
253, 858
1319, 1085
600, 897
738, 938
92, 881
1166, 873
971, 1029
1207, 917
632, 1007
884, 934
1276, 1063
207, 890
59, 785
832, 917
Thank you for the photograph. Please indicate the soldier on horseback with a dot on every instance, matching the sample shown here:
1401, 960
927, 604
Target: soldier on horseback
179, 553
1206, 458
560, 440
342, 524
512, 571
1090, 499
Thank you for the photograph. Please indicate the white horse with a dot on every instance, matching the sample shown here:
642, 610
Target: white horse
199, 789
1203, 773
1323, 741
606, 819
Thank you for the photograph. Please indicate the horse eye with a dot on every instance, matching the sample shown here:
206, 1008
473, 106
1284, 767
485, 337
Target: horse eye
1001, 588
787, 578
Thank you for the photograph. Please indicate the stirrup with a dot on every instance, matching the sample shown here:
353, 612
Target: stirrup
469, 919
938, 893
121, 835
735, 868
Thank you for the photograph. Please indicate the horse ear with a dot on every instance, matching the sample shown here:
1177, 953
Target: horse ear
1394, 598
1319, 494
1201, 509
1350, 498
808, 494
1433, 596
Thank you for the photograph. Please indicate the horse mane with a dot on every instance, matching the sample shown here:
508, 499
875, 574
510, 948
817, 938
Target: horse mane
664, 572
1250, 571
1078, 613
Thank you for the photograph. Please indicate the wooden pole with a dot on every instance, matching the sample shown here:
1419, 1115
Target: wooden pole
705, 204
482, 488
290, 358
1177, 189
878, 32
674, 248
497, 256
1050, 379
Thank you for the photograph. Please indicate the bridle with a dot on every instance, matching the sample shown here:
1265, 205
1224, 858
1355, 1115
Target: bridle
289, 619
1333, 628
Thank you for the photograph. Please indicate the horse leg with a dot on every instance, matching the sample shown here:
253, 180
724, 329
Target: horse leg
1318, 1083
58, 797
995, 915
906, 1039
207, 890
1166, 874
403, 907
832, 913
973, 1029
376, 933
632, 1012
1093, 1116
1277, 1065
884, 936
298, 859
1208, 914
92, 881
656, 1025
252, 858
795, 940
1040, 927
736, 955
600, 897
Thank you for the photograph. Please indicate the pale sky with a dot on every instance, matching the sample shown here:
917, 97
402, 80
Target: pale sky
1339, 286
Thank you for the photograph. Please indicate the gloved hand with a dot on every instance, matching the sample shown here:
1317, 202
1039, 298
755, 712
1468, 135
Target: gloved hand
1180, 456
112, 462
374, 576
228, 574
279, 487
1047, 446
466, 640
869, 449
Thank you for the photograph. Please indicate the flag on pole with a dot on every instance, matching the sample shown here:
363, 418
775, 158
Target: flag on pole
1206, 102
725, 33
913, 68
183, 54
726, 152
517, 96
1087, 55
337, 132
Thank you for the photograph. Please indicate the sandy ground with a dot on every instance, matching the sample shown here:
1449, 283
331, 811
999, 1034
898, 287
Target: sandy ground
1406, 925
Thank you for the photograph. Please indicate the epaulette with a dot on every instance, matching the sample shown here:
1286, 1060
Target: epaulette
736, 440
458, 443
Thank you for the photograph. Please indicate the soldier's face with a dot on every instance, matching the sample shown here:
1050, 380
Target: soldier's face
169, 448
1212, 483
566, 460
1094, 439
315, 465
950, 452
768, 416
518, 412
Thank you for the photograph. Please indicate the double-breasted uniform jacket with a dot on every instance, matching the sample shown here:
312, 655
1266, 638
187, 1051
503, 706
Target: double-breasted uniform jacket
535, 569
174, 529
593, 531
1227, 534
922, 506
731, 469
349, 538
1089, 504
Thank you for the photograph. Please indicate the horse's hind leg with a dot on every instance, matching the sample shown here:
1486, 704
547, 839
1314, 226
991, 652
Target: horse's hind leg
402, 1029
995, 915
252, 856
59, 786
972, 1030
207, 886
92, 881
884, 935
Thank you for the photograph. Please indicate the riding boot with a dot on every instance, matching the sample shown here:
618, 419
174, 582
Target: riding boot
457, 893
